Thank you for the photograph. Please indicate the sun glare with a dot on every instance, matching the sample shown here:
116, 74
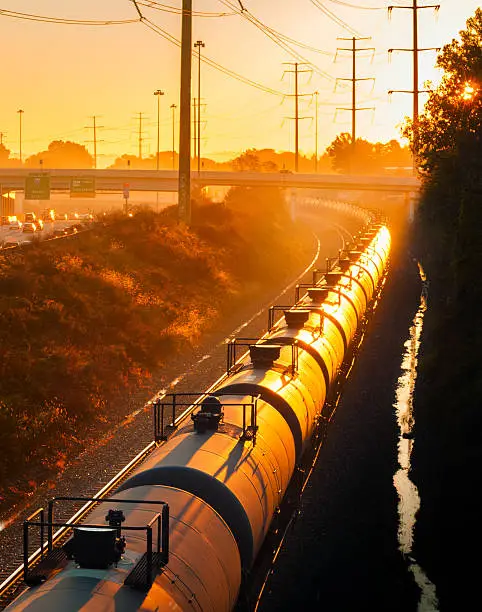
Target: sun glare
468, 92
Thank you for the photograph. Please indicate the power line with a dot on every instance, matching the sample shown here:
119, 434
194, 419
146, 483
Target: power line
357, 6
166, 8
64, 21
247, 81
278, 40
326, 11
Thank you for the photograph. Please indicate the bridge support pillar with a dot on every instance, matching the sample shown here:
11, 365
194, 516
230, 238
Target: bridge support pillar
411, 201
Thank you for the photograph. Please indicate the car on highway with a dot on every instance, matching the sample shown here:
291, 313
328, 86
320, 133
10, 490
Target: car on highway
30, 217
29, 228
10, 244
39, 224
4, 220
15, 224
57, 233
85, 217
48, 215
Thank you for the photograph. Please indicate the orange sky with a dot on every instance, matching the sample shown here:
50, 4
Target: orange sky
61, 75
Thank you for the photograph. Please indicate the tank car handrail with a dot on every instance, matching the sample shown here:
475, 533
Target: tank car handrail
162, 519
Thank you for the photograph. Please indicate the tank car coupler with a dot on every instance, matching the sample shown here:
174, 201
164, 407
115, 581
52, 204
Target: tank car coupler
209, 416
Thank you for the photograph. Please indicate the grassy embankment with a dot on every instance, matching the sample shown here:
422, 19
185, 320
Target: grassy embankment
90, 321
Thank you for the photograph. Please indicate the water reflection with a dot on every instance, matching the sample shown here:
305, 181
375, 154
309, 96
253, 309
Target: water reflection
409, 499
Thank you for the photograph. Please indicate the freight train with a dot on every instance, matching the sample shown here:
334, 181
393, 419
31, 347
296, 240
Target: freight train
185, 528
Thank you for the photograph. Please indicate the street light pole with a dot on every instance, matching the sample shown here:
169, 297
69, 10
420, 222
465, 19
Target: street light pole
198, 44
158, 93
173, 108
20, 113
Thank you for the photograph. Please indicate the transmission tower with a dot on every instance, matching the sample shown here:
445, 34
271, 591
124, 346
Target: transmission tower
354, 80
297, 95
415, 91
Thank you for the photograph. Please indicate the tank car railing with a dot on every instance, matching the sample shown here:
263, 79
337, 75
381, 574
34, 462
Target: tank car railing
161, 518
30, 520
232, 352
249, 431
171, 401
232, 345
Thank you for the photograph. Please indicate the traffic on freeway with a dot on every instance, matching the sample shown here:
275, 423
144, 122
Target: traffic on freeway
15, 232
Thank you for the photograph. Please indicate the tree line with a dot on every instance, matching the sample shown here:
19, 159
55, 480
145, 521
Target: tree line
361, 157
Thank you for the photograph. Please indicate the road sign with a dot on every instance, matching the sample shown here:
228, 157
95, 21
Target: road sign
37, 187
82, 187
126, 191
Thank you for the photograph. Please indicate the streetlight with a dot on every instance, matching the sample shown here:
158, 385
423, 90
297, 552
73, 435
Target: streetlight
20, 113
158, 93
198, 44
173, 108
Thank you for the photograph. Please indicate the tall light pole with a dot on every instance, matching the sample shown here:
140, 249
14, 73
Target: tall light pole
198, 44
158, 93
20, 113
173, 108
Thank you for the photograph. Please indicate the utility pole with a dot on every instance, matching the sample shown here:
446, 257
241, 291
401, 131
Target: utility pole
2, 134
20, 113
415, 91
94, 127
173, 108
354, 80
297, 117
185, 115
158, 93
316, 131
140, 135
199, 44
194, 145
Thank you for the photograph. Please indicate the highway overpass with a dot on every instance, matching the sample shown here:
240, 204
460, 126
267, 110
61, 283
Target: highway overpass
167, 180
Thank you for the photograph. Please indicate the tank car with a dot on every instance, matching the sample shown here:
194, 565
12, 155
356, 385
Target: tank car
223, 475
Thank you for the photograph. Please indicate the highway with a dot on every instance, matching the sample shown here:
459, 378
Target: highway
10, 237
167, 180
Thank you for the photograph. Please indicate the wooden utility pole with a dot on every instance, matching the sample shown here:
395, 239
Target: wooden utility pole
415, 91
354, 80
297, 117
94, 127
185, 115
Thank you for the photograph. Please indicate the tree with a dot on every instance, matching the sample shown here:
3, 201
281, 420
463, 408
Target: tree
62, 154
366, 157
247, 162
4, 154
448, 239
453, 112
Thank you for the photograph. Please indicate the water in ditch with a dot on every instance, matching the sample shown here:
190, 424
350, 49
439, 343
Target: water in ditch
408, 496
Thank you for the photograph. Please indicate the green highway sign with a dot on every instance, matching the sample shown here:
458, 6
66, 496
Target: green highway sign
37, 187
82, 187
